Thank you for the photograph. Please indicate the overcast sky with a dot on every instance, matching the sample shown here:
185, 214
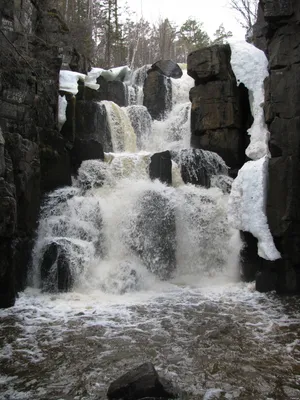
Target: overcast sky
211, 12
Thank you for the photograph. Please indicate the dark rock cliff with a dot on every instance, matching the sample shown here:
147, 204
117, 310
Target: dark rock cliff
34, 156
220, 113
277, 32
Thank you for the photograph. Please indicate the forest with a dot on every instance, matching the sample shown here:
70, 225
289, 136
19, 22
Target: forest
111, 35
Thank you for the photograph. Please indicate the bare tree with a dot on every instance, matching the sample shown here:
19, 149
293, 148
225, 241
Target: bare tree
246, 11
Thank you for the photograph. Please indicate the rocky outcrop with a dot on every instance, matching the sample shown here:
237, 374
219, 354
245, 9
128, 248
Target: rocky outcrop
168, 68
153, 233
220, 113
113, 90
199, 166
56, 273
277, 32
142, 382
161, 167
157, 94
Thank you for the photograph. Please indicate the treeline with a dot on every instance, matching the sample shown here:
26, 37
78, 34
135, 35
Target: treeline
111, 36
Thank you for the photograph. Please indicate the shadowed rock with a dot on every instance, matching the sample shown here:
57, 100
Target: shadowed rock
168, 68
141, 382
161, 167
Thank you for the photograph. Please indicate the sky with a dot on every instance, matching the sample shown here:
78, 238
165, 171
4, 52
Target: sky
211, 12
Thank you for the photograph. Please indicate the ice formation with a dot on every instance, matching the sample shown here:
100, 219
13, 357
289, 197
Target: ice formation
250, 67
68, 81
62, 108
247, 203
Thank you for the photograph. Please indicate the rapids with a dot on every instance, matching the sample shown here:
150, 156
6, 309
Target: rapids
213, 336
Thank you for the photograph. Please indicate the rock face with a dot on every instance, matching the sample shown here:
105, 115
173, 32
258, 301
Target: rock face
157, 94
153, 234
34, 155
140, 383
277, 32
56, 262
220, 113
161, 167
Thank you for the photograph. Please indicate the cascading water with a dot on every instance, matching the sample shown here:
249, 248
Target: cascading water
151, 273
119, 231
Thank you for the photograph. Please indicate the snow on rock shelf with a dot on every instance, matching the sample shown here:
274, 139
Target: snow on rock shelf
68, 81
247, 203
250, 66
109, 75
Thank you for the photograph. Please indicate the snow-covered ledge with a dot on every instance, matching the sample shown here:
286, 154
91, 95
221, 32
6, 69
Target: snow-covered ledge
250, 67
247, 205
248, 197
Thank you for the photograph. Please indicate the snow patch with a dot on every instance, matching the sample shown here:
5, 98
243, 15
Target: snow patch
247, 203
68, 81
112, 74
62, 108
250, 66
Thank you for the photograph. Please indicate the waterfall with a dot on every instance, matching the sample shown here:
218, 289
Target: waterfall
122, 133
116, 230
134, 85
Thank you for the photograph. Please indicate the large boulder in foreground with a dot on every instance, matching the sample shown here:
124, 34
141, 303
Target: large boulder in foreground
140, 383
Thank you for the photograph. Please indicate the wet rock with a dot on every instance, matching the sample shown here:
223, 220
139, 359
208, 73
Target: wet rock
92, 123
251, 263
153, 234
210, 64
168, 68
55, 269
215, 106
161, 167
220, 114
266, 280
279, 9
198, 166
157, 95
2, 156
109, 90
279, 24
142, 382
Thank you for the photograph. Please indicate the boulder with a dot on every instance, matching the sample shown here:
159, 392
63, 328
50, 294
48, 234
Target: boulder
228, 143
168, 68
210, 64
56, 274
161, 167
198, 166
141, 382
250, 262
152, 233
92, 123
157, 95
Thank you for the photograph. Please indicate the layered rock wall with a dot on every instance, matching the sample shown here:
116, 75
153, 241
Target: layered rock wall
34, 156
277, 32
220, 113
